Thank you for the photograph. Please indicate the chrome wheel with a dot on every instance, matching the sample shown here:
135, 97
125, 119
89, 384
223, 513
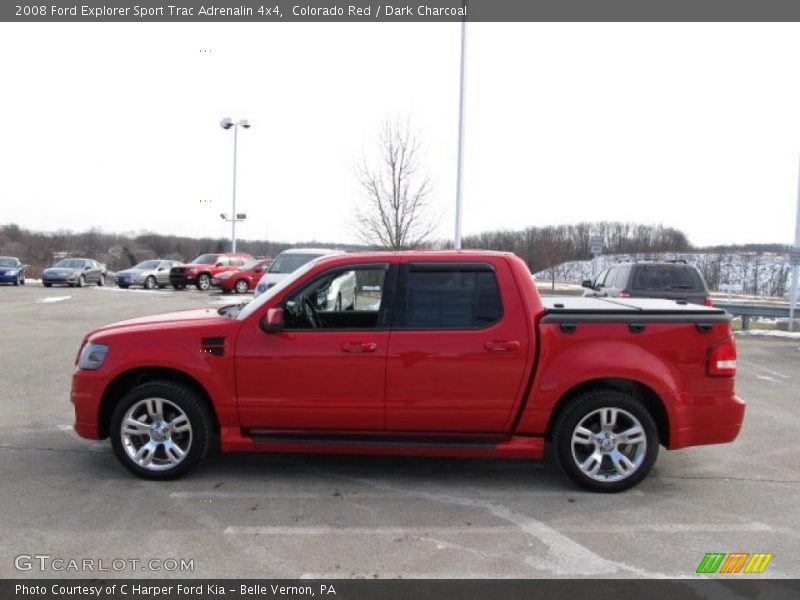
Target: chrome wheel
203, 282
150, 283
609, 444
242, 287
156, 434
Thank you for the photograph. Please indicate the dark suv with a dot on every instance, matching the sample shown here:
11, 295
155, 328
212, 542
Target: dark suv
673, 280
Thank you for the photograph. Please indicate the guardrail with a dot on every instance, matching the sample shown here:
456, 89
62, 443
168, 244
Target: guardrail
745, 310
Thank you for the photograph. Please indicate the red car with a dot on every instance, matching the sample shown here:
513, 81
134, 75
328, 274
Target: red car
244, 278
200, 271
441, 354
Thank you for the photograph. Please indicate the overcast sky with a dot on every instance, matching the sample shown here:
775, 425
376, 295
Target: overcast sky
695, 126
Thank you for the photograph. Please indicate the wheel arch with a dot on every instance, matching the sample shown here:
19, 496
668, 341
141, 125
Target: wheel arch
637, 390
127, 380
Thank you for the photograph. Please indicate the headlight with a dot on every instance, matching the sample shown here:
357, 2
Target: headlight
12, 272
93, 356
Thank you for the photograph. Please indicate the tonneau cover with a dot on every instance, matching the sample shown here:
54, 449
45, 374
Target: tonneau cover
632, 307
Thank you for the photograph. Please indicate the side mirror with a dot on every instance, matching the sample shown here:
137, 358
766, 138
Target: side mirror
87, 268
272, 321
219, 264
587, 283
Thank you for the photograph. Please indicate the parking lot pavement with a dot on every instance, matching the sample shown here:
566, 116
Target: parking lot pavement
293, 515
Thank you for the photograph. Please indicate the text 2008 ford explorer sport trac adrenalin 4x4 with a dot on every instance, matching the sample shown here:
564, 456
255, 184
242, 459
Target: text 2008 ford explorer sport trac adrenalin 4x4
441, 354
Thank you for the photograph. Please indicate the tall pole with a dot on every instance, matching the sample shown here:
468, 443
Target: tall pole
460, 162
233, 214
795, 267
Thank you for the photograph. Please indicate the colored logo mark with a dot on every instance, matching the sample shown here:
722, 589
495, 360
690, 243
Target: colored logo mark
735, 562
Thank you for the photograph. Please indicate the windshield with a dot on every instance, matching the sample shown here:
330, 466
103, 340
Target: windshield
148, 265
70, 263
287, 263
206, 259
245, 311
8, 262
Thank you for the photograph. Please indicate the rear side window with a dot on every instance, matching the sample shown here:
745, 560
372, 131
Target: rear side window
452, 299
666, 278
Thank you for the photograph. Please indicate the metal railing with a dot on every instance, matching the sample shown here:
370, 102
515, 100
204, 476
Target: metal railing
747, 310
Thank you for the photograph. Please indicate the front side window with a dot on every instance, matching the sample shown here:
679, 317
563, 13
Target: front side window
338, 299
451, 299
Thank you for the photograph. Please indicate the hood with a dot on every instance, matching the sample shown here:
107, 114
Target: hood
133, 271
62, 269
180, 320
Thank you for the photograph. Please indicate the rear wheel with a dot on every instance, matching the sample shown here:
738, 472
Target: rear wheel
47, 284
81, 281
150, 283
241, 286
606, 441
102, 280
160, 430
203, 281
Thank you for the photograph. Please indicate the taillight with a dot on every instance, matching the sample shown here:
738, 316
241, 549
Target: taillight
708, 301
624, 295
722, 359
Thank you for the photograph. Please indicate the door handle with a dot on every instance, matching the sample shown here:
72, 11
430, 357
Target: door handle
502, 345
359, 347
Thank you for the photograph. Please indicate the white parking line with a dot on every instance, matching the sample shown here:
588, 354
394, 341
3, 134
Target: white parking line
49, 299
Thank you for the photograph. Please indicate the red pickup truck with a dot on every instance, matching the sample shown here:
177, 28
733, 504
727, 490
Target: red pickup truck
440, 354
202, 269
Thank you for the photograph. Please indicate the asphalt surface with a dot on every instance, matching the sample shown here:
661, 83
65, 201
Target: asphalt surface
327, 516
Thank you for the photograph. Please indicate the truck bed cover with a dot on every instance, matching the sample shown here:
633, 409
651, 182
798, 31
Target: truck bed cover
579, 308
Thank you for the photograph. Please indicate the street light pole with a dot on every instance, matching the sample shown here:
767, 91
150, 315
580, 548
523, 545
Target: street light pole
795, 266
460, 159
233, 211
227, 123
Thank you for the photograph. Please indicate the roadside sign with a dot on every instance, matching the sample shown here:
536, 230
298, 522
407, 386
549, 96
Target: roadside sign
794, 256
596, 244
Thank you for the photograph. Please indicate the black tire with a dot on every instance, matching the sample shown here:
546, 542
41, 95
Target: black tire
81, 281
124, 286
200, 418
101, 281
16, 281
203, 282
22, 279
582, 407
179, 286
150, 283
241, 286
47, 284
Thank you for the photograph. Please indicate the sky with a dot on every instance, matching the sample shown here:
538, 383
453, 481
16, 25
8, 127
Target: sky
694, 126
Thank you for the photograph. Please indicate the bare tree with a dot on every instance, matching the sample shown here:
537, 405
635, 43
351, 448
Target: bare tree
396, 212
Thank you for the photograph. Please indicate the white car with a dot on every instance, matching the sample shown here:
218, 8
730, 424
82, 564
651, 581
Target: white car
287, 262
340, 294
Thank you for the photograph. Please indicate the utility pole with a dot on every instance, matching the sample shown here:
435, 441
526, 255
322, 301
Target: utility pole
227, 123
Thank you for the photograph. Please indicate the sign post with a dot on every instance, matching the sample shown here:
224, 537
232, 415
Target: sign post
596, 248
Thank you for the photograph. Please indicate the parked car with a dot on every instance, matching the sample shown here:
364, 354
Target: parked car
673, 280
339, 294
75, 272
287, 262
200, 271
149, 274
12, 270
458, 356
244, 278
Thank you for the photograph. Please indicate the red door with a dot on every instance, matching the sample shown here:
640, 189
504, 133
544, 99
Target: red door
457, 357
311, 380
327, 374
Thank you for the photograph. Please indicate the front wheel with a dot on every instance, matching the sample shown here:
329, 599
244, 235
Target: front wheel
203, 282
160, 430
102, 281
606, 441
242, 287
150, 283
81, 281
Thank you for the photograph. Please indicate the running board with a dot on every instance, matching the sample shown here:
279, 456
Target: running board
400, 445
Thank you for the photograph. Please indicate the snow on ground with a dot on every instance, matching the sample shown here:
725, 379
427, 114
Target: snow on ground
108, 288
50, 299
792, 335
